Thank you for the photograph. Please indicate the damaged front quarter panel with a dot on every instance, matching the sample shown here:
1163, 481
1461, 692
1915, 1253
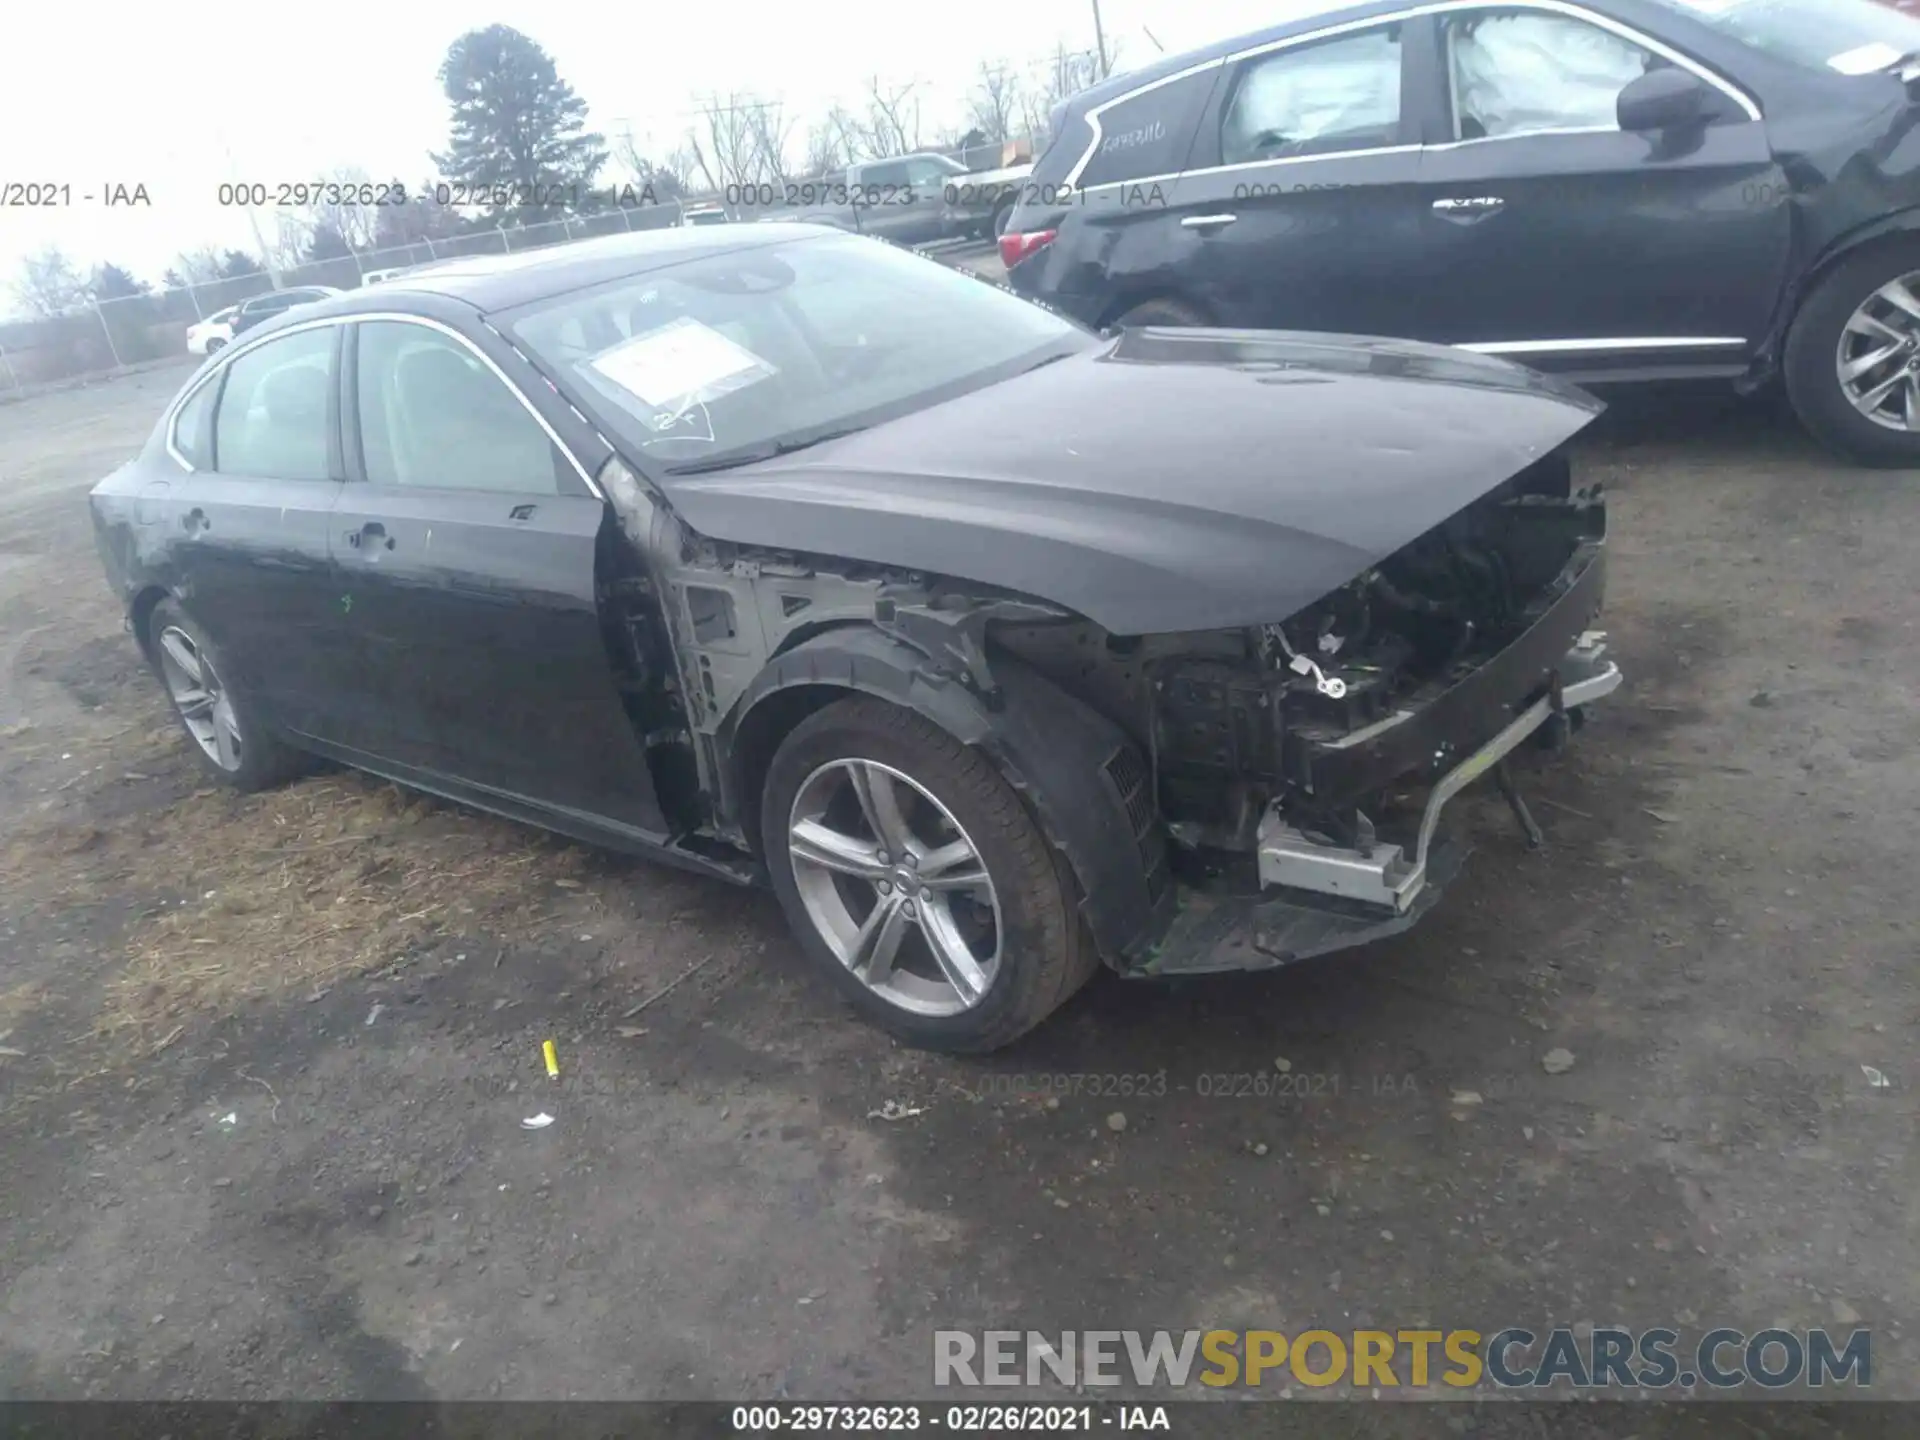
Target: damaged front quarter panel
760, 637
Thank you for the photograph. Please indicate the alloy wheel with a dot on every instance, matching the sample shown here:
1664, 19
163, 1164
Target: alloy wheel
895, 887
204, 705
1879, 359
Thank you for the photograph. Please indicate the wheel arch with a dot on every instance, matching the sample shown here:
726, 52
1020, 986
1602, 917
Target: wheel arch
1902, 228
1147, 295
1057, 753
140, 615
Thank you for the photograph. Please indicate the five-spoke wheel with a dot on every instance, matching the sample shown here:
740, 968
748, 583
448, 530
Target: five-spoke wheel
229, 735
895, 885
1852, 357
915, 875
194, 687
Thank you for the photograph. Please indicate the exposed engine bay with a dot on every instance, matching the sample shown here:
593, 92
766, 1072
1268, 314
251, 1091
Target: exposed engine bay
1280, 741
1234, 720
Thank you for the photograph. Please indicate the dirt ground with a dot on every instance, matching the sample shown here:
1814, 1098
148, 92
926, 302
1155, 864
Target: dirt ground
264, 1061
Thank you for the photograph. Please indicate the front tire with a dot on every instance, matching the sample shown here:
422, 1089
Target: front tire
1852, 359
225, 730
915, 877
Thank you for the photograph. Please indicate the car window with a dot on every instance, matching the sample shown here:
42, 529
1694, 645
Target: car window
272, 421
432, 413
191, 437
891, 172
928, 172
1518, 71
1146, 134
733, 352
1341, 94
1850, 37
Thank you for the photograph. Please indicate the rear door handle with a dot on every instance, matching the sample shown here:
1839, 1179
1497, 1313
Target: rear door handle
1464, 209
1207, 222
195, 522
370, 536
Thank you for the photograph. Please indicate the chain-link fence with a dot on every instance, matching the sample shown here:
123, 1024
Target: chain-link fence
103, 336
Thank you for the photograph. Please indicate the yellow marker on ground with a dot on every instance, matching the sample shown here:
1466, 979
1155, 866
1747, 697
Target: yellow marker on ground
553, 1059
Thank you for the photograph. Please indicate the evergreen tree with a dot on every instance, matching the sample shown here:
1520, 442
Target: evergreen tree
518, 128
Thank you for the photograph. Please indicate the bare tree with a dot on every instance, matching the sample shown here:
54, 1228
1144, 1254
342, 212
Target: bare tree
292, 233
829, 147
723, 143
624, 150
771, 131
678, 166
336, 211
893, 120
1062, 75
49, 284
994, 102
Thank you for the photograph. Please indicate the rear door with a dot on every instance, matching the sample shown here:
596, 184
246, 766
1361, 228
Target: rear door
1553, 236
253, 519
1298, 208
469, 546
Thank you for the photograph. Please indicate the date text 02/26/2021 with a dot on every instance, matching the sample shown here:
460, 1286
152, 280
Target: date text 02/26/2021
447, 194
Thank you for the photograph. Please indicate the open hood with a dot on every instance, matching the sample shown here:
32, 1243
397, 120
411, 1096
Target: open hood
1167, 480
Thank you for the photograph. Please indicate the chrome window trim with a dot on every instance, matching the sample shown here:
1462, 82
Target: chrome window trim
1632, 342
243, 347
1555, 7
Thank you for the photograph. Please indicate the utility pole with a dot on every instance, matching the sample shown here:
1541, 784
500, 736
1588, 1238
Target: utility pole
253, 220
1100, 39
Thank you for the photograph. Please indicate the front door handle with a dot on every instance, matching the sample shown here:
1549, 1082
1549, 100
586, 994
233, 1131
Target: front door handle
195, 522
370, 536
1465, 209
1207, 222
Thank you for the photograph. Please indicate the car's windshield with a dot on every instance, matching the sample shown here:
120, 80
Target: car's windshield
739, 355
1854, 37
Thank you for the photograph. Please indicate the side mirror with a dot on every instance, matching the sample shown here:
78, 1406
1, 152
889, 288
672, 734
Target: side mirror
1662, 100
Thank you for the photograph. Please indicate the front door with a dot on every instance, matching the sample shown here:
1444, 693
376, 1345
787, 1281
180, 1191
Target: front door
468, 546
1553, 236
1298, 208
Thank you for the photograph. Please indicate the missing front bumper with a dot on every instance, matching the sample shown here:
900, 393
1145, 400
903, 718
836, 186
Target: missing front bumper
1317, 898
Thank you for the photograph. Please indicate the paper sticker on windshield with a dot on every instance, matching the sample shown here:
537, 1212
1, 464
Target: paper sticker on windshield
680, 364
1866, 60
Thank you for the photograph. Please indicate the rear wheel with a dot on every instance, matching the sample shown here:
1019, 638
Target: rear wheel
916, 878
1852, 359
1001, 215
1161, 312
225, 727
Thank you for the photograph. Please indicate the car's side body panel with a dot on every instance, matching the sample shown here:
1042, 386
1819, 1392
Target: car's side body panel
1594, 253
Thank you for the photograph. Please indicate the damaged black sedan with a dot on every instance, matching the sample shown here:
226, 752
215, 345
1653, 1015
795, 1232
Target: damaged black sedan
999, 649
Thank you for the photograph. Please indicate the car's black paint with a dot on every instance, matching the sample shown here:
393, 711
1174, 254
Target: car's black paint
1706, 233
1078, 484
463, 641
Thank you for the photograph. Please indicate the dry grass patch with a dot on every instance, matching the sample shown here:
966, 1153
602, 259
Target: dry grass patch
255, 896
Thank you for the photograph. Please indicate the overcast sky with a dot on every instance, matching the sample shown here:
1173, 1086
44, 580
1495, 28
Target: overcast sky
161, 95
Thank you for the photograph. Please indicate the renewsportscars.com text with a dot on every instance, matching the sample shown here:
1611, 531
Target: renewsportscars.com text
1509, 1359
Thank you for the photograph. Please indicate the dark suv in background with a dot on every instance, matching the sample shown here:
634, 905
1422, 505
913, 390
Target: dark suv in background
1610, 189
262, 308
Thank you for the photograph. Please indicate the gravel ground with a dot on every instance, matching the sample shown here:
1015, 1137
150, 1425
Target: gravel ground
265, 1060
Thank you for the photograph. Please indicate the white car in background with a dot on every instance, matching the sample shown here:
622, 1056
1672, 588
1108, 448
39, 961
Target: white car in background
211, 333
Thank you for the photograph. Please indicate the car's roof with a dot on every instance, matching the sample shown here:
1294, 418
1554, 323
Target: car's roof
492, 283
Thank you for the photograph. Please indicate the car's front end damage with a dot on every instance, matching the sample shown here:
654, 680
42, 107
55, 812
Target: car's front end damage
1283, 758
1237, 677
